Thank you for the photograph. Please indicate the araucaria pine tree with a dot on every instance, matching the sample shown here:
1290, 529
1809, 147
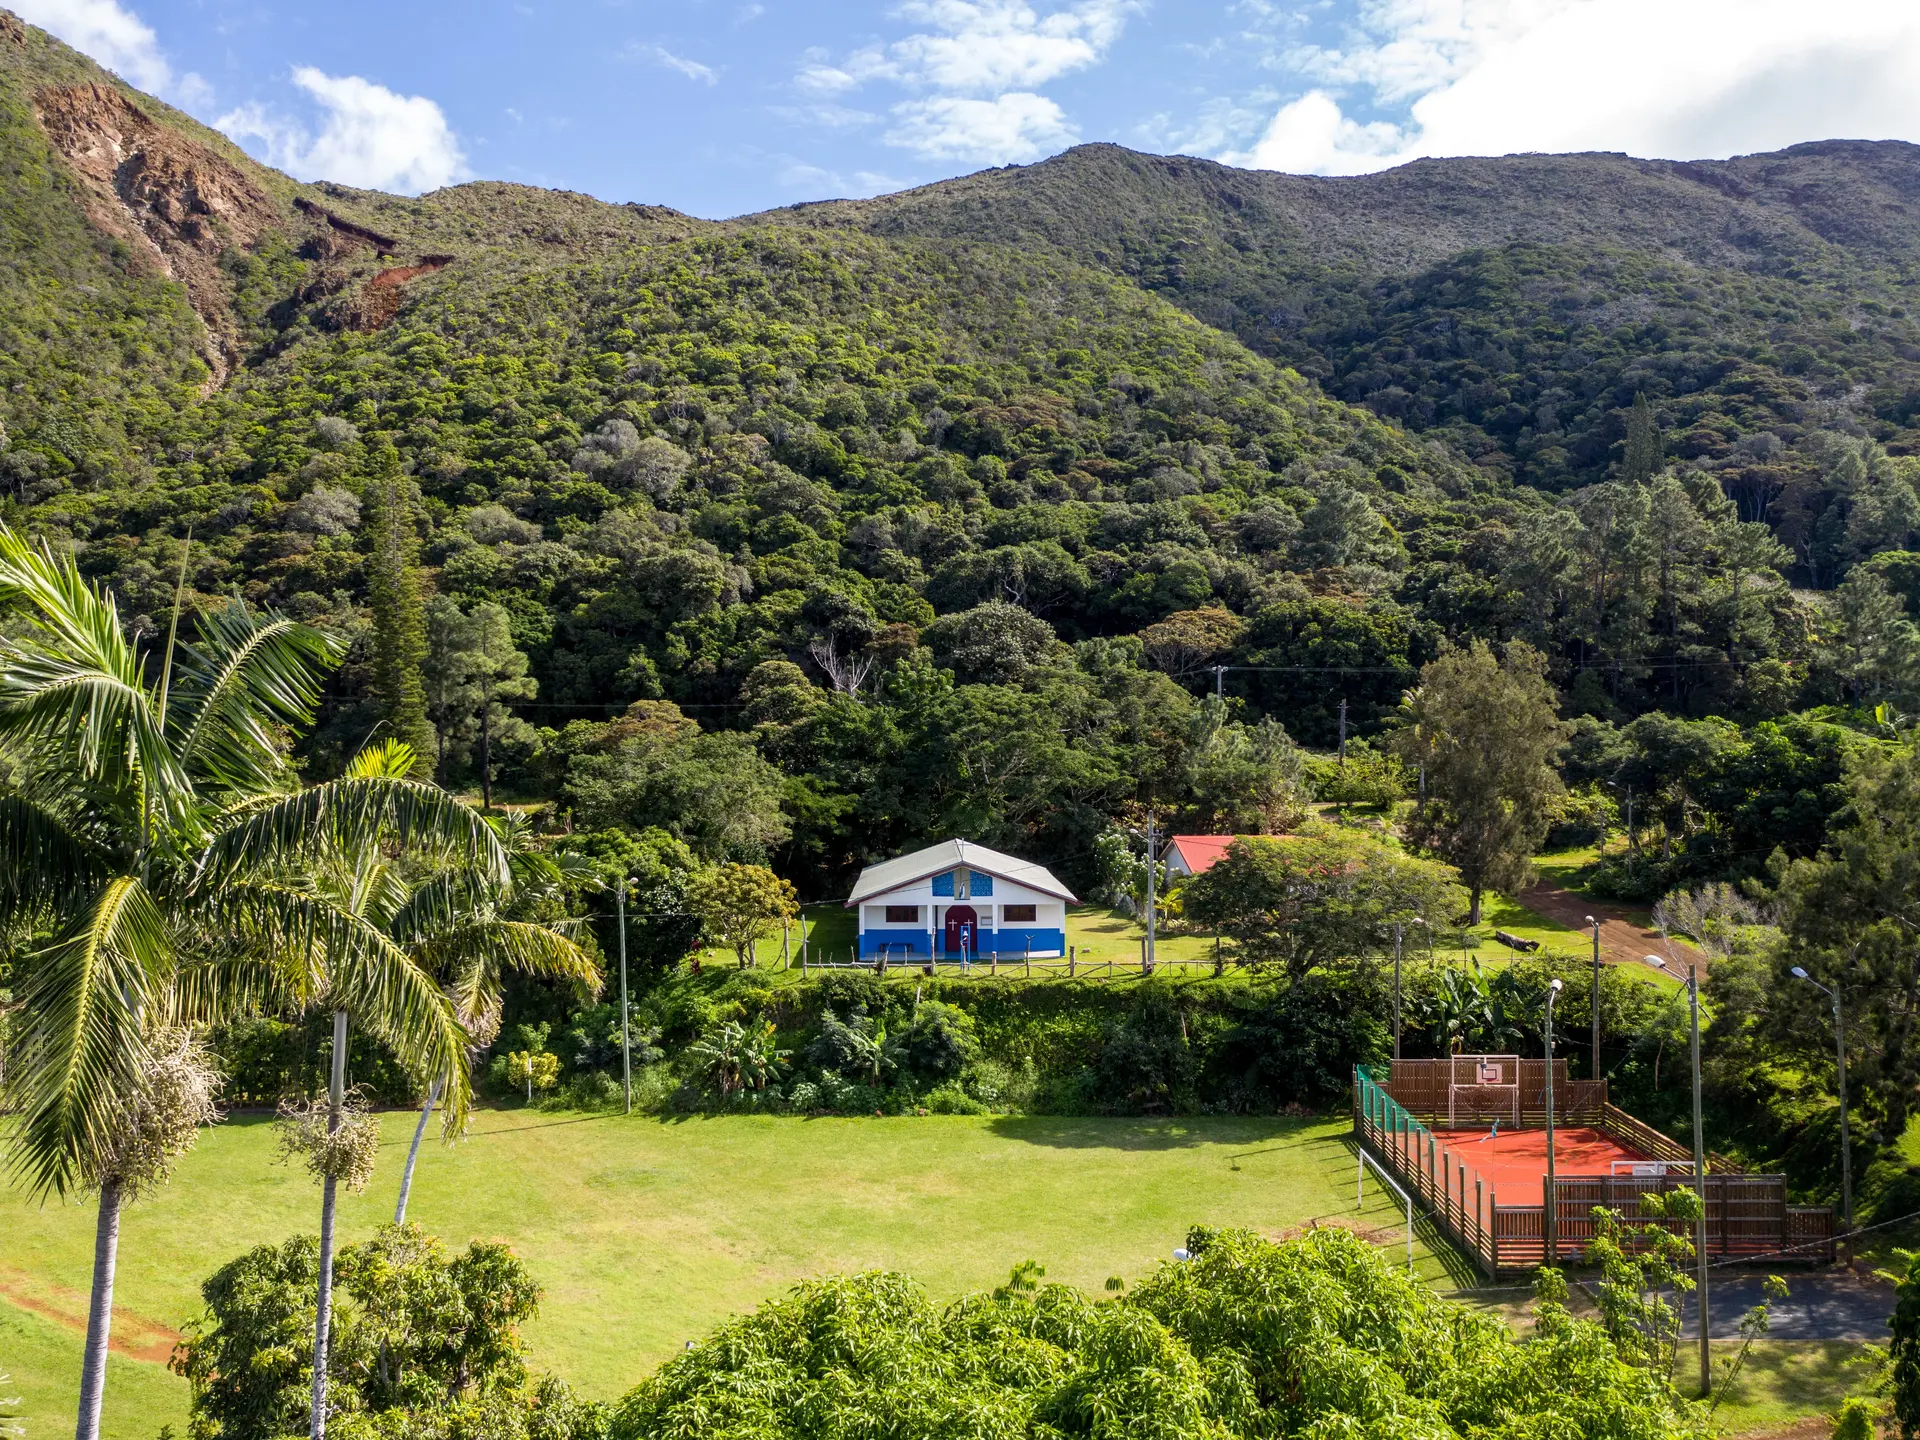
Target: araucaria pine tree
399, 615
1644, 448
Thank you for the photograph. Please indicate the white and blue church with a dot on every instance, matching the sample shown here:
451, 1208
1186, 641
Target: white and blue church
960, 901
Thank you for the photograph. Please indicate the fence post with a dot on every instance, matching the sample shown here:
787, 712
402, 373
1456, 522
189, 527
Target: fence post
1479, 1222
1493, 1220
1073, 955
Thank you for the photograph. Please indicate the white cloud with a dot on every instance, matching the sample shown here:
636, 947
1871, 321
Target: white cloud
1008, 128
973, 70
369, 137
118, 39
692, 69
1676, 79
986, 46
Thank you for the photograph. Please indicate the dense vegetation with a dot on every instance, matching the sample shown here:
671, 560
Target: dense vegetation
1247, 1337
803, 539
1514, 305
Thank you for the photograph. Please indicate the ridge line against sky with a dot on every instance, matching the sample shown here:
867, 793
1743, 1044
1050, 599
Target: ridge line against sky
722, 107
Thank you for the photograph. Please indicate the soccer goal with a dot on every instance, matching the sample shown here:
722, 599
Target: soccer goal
1652, 1169
1482, 1088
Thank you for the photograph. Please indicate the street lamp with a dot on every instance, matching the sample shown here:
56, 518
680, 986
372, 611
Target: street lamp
626, 1041
1699, 1176
1840, 1054
1399, 936
1552, 1197
1594, 925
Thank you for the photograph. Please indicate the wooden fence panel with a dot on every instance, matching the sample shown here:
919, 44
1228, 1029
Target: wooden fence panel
1747, 1215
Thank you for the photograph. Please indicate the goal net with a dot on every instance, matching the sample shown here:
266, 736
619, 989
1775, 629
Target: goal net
1482, 1088
1652, 1169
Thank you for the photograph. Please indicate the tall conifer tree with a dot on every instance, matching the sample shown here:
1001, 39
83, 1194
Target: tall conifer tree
399, 616
1644, 447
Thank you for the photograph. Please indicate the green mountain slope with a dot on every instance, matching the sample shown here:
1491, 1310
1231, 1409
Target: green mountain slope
1515, 305
987, 510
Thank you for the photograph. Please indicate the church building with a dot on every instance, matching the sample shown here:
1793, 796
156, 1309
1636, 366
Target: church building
957, 900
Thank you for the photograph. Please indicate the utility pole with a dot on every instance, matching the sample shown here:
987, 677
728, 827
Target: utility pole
486, 757
626, 1040
1699, 1180
1596, 997
1343, 732
1399, 931
1153, 866
1219, 682
1846, 1140
1552, 1196
1700, 1175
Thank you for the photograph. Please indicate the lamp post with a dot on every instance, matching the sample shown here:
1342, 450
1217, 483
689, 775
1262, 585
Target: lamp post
1399, 933
1552, 1197
626, 1043
1699, 1178
1840, 1056
1595, 924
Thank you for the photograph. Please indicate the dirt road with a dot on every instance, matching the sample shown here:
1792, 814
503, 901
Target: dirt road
1621, 941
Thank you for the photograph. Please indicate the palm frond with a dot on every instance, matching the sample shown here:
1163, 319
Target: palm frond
60, 712
247, 673
67, 612
350, 815
80, 1037
389, 759
436, 903
478, 952
343, 960
43, 864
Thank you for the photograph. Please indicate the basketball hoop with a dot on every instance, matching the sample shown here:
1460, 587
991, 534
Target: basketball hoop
1483, 1087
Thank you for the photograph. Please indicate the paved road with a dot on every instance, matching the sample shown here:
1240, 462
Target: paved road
1824, 1305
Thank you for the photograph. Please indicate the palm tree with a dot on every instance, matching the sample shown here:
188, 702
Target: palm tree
471, 937
393, 902
148, 824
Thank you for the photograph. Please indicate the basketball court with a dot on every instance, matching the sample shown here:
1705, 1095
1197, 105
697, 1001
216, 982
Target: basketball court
1514, 1162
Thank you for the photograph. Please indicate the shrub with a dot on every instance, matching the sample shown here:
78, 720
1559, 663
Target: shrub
937, 1045
1318, 1336
948, 1100
420, 1340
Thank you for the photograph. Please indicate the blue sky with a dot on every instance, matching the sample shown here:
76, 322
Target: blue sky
719, 107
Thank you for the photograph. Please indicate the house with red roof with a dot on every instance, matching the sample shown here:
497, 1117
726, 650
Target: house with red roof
1195, 854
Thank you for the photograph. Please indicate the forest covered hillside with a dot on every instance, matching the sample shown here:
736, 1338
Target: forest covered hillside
819, 534
1515, 305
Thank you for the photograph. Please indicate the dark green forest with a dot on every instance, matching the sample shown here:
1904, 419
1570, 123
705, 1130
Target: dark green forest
810, 536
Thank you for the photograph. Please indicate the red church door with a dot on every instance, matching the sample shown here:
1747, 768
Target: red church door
963, 930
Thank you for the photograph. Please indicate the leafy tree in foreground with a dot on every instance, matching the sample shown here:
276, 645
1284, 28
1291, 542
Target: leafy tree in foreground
1904, 1351
1321, 1335
1319, 898
426, 1344
147, 835
1486, 732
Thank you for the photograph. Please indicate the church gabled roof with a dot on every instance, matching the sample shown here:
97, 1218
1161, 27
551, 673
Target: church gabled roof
908, 869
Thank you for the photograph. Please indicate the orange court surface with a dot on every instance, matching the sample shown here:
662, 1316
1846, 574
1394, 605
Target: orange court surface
1514, 1162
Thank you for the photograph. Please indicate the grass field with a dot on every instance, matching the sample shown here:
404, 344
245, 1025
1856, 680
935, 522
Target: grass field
646, 1233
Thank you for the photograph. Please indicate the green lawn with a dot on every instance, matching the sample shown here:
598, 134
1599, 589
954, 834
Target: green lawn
43, 1359
648, 1232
